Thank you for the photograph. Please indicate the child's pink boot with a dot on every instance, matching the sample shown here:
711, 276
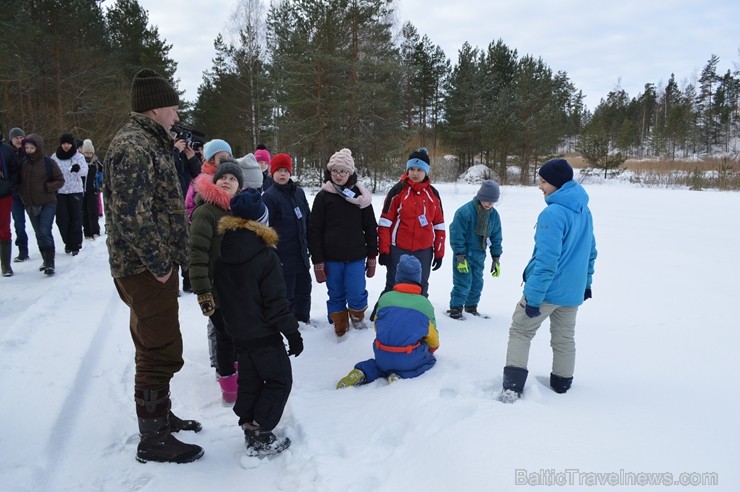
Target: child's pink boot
229, 387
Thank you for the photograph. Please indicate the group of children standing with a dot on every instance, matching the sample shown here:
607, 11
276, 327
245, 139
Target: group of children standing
253, 245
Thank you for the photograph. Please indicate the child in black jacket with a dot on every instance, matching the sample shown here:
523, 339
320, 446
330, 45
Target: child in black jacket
249, 281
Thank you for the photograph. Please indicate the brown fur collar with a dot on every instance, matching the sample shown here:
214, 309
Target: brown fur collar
231, 223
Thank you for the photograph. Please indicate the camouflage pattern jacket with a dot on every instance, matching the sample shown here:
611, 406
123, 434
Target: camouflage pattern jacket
144, 207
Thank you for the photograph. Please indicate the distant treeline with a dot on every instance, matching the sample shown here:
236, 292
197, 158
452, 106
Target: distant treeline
309, 77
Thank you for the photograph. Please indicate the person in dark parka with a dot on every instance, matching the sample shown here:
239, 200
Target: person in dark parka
289, 216
249, 282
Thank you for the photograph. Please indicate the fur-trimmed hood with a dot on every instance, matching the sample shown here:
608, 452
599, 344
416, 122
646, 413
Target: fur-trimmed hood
244, 239
231, 223
209, 192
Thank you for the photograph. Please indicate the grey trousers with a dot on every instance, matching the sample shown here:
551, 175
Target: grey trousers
562, 336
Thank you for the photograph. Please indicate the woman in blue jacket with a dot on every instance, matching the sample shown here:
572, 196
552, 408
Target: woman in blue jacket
557, 280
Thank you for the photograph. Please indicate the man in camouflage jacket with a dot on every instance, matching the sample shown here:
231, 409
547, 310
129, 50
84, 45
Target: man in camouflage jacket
148, 240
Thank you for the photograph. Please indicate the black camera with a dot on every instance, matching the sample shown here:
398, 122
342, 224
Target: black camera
193, 137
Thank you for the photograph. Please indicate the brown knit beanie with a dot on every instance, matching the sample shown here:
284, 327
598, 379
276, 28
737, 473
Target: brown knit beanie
149, 90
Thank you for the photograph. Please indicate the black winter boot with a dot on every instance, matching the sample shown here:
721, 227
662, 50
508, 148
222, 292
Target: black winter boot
472, 310
560, 384
157, 443
22, 255
455, 312
177, 424
5, 253
262, 443
514, 379
49, 255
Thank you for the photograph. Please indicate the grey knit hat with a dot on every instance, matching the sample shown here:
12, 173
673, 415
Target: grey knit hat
229, 166
16, 132
251, 171
149, 90
489, 191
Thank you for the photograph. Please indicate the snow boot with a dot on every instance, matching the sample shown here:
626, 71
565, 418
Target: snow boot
157, 443
357, 317
5, 254
514, 379
229, 387
560, 384
341, 322
354, 378
48, 254
455, 312
472, 310
22, 255
263, 443
177, 424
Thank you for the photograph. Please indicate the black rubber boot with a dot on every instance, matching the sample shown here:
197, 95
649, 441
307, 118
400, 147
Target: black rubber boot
49, 255
5, 254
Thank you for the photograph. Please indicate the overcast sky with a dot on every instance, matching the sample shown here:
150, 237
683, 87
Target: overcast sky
601, 45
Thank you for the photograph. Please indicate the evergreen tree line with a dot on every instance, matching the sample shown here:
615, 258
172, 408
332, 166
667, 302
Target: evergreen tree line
701, 119
309, 77
67, 66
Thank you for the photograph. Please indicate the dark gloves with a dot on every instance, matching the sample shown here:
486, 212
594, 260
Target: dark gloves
462, 263
532, 312
587, 294
370, 267
496, 267
383, 259
318, 271
75, 168
207, 304
436, 264
295, 343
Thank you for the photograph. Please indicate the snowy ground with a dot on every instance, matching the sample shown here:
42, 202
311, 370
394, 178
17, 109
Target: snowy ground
655, 389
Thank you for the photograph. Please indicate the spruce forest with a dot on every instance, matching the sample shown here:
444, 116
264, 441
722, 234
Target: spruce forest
308, 77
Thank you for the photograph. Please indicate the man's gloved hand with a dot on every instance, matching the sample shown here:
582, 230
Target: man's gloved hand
295, 343
370, 266
436, 264
462, 263
531, 311
318, 271
383, 259
587, 294
75, 168
207, 304
496, 267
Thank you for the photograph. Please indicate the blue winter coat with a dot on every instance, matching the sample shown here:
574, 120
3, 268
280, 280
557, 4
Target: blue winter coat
564, 250
289, 214
464, 240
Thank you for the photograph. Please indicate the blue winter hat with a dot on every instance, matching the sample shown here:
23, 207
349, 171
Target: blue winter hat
215, 146
420, 159
557, 172
248, 205
408, 270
